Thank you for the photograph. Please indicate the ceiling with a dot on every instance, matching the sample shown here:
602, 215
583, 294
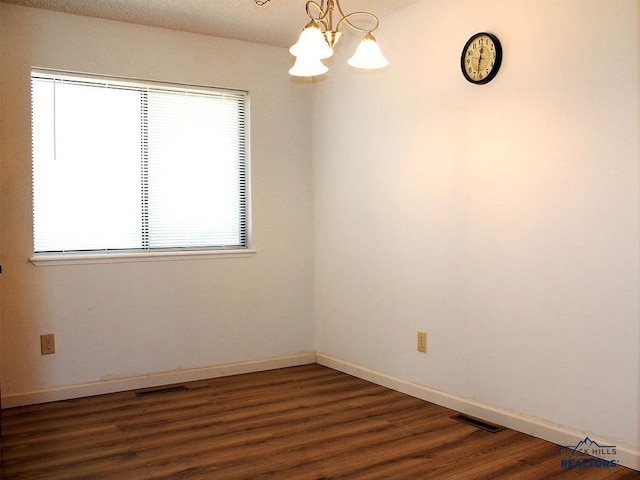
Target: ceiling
278, 22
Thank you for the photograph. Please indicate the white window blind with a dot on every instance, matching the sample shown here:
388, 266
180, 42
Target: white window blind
122, 165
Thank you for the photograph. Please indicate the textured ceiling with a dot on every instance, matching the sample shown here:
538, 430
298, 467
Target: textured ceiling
278, 22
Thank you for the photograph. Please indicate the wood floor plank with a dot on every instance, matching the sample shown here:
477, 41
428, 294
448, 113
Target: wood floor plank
300, 423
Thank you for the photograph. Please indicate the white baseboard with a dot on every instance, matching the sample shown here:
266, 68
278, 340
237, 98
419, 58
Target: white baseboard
627, 456
153, 380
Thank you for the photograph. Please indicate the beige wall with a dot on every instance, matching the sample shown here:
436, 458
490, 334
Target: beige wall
117, 321
502, 219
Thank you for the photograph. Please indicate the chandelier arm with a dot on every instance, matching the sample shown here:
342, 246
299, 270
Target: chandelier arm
324, 16
347, 20
337, 4
323, 12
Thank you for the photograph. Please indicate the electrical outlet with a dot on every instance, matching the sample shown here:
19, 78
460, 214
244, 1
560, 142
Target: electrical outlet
422, 342
47, 344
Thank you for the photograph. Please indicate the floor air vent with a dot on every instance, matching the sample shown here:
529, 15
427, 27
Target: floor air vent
488, 427
161, 390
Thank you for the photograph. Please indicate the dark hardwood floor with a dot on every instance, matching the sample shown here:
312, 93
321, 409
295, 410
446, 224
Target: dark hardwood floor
307, 422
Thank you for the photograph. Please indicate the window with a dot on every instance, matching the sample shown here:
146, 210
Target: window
123, 165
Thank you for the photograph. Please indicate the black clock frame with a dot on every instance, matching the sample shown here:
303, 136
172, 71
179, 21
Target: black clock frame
496, 66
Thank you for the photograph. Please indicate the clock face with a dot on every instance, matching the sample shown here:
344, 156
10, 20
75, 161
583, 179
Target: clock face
481, 58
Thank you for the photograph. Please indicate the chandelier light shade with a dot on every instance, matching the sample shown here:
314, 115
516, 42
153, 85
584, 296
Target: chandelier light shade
308, 66
368, 54
311, 43
319, 37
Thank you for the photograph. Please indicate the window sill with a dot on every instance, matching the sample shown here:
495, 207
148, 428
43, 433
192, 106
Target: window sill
46, 260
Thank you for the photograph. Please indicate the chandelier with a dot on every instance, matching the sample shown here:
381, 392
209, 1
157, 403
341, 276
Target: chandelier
320, 36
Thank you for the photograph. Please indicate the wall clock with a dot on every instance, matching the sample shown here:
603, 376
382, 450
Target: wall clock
481, 58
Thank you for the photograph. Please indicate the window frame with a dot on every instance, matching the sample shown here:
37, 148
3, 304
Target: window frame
155, 254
